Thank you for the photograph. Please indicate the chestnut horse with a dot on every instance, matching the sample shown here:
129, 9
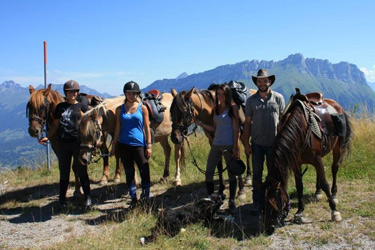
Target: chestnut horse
97, 123
198, 104
311, 127
40, 110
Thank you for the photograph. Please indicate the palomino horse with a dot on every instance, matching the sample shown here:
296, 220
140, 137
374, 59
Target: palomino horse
311, 127
197, 104
40, 111
100, 121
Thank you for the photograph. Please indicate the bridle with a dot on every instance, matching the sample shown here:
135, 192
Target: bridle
39, 116
93, 149
186, 107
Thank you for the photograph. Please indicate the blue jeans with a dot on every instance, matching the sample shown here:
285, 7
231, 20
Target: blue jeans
258, 154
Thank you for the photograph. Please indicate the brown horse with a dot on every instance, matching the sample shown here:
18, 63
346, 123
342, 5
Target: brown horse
94, 128
100, 121
40, 111
200, 105
311, 127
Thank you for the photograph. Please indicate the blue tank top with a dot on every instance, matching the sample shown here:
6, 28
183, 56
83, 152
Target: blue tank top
224, 129
132, 127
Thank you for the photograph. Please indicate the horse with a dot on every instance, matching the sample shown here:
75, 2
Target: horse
95, 125
191, 104
40, 110
100, 121
310, 128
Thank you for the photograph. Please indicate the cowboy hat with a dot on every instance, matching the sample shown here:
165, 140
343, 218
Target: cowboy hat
263, 73
236, 166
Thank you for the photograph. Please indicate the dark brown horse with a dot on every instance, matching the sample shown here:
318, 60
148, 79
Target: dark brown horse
311, 127
200, 105
97, 123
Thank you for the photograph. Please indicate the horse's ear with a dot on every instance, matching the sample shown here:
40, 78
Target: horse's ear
173, 92
188, 94
48, 90
31, 89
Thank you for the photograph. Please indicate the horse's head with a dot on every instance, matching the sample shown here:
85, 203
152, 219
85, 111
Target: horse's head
91, 134
38, 109
276, 205
182, 113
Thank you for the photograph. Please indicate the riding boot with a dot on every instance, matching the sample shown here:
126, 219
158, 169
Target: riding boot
210, 187
63, 188
85, 182
232, 196
145, 191
132, 191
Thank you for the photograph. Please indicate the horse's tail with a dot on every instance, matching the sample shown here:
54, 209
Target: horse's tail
346, 145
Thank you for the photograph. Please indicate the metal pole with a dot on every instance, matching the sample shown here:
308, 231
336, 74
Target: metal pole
45, 86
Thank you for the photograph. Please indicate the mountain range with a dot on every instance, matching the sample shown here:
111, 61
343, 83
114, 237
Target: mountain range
343, 82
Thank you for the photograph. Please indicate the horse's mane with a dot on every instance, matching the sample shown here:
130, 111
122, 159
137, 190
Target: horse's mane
98, 110
288, 142
37, 98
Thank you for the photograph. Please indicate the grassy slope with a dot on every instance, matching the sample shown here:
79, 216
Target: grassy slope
355, 182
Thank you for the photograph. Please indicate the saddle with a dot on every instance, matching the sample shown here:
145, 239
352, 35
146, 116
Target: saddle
323, 118
152, 100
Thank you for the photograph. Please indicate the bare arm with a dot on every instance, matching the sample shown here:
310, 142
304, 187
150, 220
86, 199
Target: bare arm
116, 133
210, 128
146, 127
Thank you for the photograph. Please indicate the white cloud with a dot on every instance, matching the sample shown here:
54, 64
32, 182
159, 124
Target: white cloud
369, 74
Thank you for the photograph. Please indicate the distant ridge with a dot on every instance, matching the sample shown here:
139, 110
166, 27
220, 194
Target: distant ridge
342, 81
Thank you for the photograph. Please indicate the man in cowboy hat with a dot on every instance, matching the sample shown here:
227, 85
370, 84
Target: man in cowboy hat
262, 111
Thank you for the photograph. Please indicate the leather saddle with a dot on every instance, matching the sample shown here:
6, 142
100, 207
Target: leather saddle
152, 100
330, 122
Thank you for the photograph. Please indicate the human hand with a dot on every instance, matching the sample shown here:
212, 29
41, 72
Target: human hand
43, 141
248, 150
148, 153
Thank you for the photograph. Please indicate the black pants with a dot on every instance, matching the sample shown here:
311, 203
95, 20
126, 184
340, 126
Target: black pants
65, 151
129, 155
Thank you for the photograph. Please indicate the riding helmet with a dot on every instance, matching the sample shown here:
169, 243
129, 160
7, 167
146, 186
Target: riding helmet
131, 87
236, 166
71, 85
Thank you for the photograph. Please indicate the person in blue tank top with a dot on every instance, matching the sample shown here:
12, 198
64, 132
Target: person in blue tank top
132, 136
226, 140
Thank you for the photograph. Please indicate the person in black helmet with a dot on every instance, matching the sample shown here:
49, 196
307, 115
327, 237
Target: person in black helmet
65, 125
132, 136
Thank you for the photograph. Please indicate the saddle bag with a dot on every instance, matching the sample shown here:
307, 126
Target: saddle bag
339, 121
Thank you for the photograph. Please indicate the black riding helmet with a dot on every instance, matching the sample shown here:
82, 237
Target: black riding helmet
71, 85
131, 87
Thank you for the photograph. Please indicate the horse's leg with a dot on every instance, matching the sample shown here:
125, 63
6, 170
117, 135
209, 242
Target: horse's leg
248, 179
77, 185
299, 187
167, 155
221, 180
337, 152
178, 157
241, 188
117, 177
318, 190
335, 215
105, 177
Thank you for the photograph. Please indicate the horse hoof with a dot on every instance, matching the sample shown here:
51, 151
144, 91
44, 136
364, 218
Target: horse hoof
163, 180
177, 183
241, 195
116, 180
248, 181
336, 216
335, 200
77, 192
319, 196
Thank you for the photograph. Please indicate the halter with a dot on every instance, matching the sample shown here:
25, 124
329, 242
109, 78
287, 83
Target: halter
40, 117
188, 115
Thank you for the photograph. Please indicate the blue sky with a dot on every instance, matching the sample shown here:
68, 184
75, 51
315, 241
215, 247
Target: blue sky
103, 44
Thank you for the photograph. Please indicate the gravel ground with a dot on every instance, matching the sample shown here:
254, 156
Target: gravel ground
39, 225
